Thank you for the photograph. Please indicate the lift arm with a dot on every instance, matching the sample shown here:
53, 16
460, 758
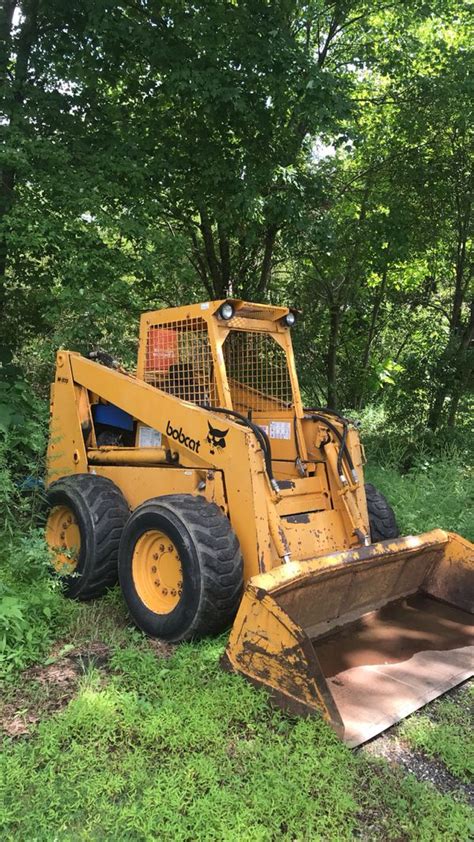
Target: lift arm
186, 428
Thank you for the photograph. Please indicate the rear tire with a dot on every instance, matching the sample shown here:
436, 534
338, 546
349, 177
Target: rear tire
180, 568
382, 521
96, 511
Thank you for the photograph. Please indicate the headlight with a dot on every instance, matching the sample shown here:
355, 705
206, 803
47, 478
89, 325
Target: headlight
289, 319
226, 311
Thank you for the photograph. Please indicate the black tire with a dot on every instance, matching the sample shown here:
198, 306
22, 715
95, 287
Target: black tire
101, 513
211, 564
382, 521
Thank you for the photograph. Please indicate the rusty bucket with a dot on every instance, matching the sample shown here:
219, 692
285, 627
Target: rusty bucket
363, 637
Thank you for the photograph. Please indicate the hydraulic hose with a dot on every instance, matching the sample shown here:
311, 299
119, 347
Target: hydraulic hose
341, 438
260, 434
343, 449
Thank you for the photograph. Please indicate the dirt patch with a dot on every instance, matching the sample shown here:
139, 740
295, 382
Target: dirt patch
45, 689
425, 769
42, 690
397, 752
161, 648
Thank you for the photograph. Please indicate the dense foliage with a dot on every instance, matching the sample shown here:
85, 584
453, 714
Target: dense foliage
317, 153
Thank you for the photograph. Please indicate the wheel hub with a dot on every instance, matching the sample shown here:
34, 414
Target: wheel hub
64, 539
157, 572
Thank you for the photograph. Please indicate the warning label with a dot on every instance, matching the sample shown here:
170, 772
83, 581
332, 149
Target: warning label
148, 437
280, 430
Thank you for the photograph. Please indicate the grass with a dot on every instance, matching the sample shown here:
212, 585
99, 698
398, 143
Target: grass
434, 494
175, 749
446, 733
160, 743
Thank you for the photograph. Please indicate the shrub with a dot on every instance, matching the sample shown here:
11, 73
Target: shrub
32, 608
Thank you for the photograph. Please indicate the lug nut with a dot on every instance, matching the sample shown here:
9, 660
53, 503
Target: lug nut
165, 591
153, 569
180, 593
157, 582
155, 556
180, 584
65, 524
162, 548
170, 548
173, 592
62, 536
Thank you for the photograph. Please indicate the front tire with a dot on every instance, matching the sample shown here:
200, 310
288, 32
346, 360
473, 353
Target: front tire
180, 568
86, 517
382, 521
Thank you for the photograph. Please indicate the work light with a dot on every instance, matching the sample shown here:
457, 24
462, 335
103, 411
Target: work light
289, 319
226, 311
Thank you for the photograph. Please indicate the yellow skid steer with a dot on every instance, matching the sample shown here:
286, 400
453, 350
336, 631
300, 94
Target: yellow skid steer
203, 483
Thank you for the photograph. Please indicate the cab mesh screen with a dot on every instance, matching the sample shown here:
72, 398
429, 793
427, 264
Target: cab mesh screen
257, 372
179, 361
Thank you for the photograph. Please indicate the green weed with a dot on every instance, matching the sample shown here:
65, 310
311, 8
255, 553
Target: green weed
433, 494
402, 808
446, 733
103, 619
32, 608
176, 749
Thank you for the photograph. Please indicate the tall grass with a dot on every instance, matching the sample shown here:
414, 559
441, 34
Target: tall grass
431, 494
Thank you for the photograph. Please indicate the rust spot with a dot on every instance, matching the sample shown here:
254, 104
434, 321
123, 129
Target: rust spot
283, 539
302, 518
286, 483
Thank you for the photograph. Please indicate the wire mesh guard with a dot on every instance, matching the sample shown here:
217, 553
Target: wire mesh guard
179, 361
257, 372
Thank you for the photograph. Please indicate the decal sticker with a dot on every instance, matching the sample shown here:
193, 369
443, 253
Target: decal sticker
280, 430
216, 438
182, 438
148, 436
205, 306
263, 427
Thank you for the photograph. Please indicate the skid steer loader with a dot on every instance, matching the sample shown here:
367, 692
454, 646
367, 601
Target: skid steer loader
216, 497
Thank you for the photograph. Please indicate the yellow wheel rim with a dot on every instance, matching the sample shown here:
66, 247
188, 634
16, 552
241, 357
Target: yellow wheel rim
157, 572
64, 539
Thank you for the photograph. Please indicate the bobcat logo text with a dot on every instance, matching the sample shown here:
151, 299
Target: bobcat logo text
182, 438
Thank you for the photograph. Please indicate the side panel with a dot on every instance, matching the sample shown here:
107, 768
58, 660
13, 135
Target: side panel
140, 484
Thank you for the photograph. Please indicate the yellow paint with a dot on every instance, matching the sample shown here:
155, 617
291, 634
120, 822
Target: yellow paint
64, 539
157, 572
141, 483
307, 566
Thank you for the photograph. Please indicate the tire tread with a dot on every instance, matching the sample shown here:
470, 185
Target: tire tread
382, 520
220, 562
109, 512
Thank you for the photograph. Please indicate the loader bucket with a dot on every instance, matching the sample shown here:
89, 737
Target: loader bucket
363, 637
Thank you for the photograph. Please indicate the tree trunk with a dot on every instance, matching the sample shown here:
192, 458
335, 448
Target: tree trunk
266, 269
464, 368
379, 297
458, 361
436, 409
333, 342
214, 267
